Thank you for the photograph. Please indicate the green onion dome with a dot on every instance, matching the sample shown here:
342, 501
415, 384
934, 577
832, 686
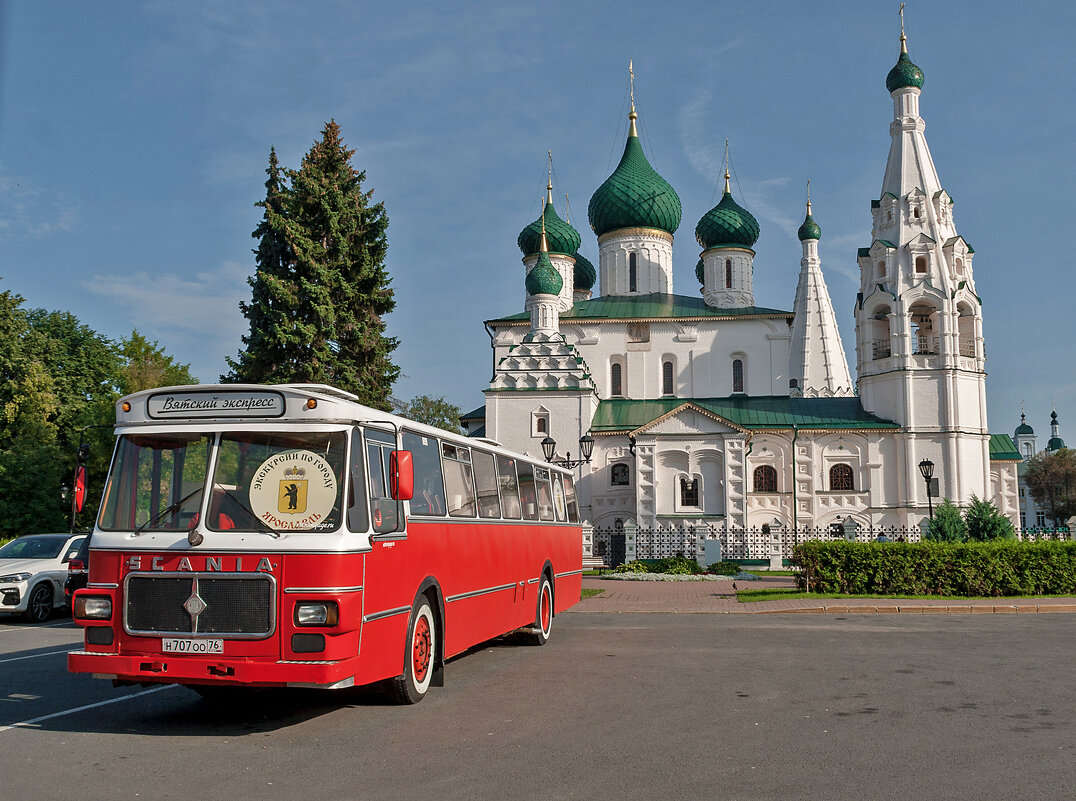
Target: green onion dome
809, 229
543, 279
904, 75
634, 196
727, 224
699, 273
584, 275
561, 236
1024, 428
1055, 444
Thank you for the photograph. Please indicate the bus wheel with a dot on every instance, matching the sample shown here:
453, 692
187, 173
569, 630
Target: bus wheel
411, 687
543, 618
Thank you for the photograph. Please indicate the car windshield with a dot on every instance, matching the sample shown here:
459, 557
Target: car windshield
278, 481
33, 548
156, 482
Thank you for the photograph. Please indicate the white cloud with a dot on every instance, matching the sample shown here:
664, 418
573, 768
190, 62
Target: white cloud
28, 210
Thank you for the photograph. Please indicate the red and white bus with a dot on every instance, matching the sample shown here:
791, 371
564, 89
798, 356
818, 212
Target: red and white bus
288, 536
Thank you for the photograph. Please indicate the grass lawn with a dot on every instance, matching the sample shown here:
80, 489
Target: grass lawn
589, 594
791, 594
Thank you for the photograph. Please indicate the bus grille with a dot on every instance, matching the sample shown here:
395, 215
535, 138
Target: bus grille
229, 605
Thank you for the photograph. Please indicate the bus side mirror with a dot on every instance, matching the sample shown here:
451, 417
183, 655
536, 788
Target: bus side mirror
401, 476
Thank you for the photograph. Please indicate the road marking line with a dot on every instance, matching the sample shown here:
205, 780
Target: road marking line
40, 626
26, 723
35, 656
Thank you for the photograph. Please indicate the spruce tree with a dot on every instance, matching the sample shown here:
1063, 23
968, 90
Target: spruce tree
324, 286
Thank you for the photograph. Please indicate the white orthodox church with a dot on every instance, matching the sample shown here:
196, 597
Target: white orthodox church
707, 409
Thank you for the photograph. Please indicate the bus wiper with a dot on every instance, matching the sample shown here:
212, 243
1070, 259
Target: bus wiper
260, 525
165, 512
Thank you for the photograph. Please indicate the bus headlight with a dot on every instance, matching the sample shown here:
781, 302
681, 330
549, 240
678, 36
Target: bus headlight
316, 613
93, 607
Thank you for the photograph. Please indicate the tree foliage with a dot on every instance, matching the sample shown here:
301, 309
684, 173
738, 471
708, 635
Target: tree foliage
1051, 480
947, 525
433, 412
984, 522
59, 380
320, 290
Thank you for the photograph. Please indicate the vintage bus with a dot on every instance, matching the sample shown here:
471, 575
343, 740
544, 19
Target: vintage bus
288, 536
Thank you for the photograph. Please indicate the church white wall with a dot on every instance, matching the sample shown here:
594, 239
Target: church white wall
653, 261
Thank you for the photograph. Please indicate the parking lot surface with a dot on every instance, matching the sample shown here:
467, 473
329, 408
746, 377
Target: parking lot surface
628, 705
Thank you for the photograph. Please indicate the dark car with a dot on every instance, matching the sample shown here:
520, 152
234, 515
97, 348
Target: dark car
78, 570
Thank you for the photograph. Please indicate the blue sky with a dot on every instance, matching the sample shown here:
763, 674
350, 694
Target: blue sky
134, 138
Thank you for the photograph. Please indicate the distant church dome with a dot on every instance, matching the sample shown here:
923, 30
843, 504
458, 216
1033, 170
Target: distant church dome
561, 236
904, 75
728, 224
543, 279
584, 274
1024, 428
699, 272
634, 196
1055, 443
809, 229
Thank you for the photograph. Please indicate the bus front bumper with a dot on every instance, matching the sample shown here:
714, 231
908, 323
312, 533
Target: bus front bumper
182, 669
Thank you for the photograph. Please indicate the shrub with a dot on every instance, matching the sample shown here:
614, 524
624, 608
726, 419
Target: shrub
677, 566
997, 568
724, 568
632, 567
984, 522
947, 525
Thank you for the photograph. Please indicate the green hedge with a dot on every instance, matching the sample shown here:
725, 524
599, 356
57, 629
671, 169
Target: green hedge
970, 569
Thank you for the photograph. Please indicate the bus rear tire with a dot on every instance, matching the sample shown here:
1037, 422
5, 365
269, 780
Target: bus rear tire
419, 655
543, 618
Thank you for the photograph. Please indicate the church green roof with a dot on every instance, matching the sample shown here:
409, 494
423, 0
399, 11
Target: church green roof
584, 275
755, 413
654, 306
1003, 449
904, 75
1024, 428
560, 236
634, 196
543, 279
728, 224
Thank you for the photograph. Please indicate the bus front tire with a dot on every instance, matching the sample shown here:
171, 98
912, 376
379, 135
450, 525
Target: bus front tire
419, 654
543, 618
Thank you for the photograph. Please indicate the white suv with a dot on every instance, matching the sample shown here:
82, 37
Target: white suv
33, 569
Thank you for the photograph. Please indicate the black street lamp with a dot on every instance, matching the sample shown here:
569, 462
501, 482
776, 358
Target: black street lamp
926, 467
586, 447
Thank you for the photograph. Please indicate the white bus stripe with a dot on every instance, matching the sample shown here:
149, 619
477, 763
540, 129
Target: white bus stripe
26, 723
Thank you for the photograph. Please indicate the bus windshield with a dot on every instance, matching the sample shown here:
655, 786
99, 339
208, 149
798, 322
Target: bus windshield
156, 482
278, 481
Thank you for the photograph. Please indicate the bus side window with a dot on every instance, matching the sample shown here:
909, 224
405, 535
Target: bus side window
382, 506
459, 484
509, 488
545, 494
570, 500
485, 475
357, 518
526, 491
429, 497
558, 498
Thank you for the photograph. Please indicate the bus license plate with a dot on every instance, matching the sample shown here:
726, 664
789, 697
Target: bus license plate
174, 645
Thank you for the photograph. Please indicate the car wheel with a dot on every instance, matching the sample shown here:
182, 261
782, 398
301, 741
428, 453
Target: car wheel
39, 606
543, 617
419, 654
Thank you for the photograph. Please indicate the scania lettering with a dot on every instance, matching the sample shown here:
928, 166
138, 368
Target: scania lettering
288, 536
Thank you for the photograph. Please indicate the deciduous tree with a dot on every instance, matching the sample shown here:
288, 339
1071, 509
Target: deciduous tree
433, 412
1051, 480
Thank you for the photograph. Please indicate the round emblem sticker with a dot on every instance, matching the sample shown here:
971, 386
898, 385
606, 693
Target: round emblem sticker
293, 490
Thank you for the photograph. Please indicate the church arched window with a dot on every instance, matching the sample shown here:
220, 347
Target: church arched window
728, 273
616, 379
765, 478
667, 378
881, 269
633, 273
841, 478
737, 375
689, 492
920, 264
619, 475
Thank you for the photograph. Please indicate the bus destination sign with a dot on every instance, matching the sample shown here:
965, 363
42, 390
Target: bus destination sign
168, 405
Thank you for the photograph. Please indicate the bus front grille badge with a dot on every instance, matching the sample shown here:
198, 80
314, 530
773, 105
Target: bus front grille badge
195, 605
